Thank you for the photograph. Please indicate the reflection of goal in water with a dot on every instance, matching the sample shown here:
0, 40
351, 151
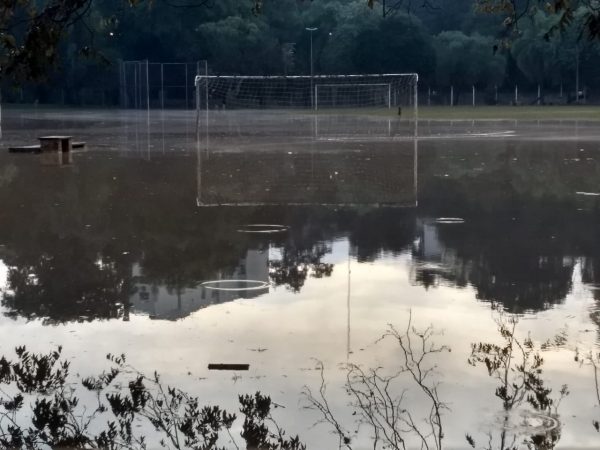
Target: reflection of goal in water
326, 173
307, 140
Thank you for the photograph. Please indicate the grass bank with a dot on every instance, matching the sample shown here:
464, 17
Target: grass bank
510, 112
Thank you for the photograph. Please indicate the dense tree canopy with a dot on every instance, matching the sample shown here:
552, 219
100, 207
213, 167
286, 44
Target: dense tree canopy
460, 42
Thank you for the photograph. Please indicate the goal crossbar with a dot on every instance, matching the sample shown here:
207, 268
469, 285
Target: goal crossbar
305, 77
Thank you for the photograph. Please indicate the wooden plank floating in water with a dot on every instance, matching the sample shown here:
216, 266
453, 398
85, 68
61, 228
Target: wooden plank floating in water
25, 149
228, 366
37, 148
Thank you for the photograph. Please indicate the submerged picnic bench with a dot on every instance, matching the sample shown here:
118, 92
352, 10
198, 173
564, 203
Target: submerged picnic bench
48, 144
55, 144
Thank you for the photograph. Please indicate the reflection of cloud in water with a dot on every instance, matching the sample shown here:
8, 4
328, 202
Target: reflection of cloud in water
296, 327
3, 275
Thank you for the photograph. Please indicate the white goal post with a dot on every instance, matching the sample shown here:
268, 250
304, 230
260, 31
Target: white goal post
318, 92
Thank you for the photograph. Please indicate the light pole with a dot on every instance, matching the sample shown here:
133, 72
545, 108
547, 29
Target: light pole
312, 99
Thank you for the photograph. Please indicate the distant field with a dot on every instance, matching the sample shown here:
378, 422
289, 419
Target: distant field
481, 112
555, 112
510, 112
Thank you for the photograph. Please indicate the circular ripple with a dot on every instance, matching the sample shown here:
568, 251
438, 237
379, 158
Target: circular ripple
529, 422
263, 228
234, 285
449, 220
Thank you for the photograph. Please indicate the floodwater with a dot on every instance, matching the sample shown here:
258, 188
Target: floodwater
288, 241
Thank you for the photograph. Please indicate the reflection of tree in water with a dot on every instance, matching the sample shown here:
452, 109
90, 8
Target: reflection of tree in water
94, 230
379, 397
504, 262
517, 366
389, 230
70, 242
371, 232
67, 285
302, 246
296, 264
523, 224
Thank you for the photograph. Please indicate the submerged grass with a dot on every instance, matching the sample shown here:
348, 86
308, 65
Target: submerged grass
555, 112
511, 112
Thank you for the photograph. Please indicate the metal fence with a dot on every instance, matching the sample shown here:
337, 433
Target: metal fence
516, 95
158, 85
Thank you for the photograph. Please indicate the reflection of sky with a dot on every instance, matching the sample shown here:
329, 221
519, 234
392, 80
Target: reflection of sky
3, 275
292, 329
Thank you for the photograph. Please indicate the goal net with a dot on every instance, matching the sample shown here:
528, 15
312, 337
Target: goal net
319, 92
353, 95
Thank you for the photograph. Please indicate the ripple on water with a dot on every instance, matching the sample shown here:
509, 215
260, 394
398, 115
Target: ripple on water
235, 285
449, 220
526, 422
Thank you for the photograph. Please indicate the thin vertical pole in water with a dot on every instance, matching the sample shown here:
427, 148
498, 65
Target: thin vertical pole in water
416, 170
206, 91
473, 95
348, 305
516, 95
197, 94
135, 90
121, 84
162, 86
416, 105
451, 95
577, 74
561, 90
390, 96
206, 87
147, 110
148, 89
311, 65
539, 95
196, 81
186, 86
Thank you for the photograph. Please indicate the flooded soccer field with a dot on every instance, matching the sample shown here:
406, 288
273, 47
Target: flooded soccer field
434, 290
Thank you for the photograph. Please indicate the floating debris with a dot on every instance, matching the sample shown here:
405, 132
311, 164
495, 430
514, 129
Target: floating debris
222, 366
589, 194
449, 220
263, 228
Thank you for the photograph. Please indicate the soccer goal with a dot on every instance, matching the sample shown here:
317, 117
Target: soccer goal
319, 92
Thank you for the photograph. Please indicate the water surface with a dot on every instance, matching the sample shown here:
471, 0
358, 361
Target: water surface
330, 235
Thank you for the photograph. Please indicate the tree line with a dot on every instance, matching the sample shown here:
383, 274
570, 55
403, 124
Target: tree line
448, 43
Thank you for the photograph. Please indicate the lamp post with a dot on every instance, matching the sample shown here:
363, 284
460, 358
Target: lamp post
312, 99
